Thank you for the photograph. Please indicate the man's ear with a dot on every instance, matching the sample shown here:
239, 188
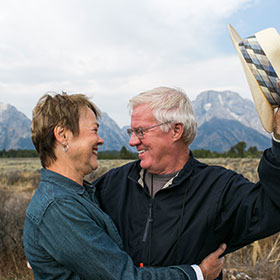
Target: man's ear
60, 134
178, 130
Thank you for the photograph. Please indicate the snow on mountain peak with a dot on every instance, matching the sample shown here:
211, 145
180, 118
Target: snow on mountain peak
207, 106
3, 107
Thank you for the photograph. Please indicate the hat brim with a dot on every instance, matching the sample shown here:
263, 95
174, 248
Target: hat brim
263, 107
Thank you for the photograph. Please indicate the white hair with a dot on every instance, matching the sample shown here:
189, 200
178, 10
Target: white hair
169, 105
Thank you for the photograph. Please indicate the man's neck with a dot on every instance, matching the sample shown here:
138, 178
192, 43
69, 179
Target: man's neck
156, 182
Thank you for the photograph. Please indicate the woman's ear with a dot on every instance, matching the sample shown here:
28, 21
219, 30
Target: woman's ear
60, 134
178, 130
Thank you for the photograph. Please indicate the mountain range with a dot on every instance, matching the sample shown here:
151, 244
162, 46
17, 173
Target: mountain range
224, 119
14, 129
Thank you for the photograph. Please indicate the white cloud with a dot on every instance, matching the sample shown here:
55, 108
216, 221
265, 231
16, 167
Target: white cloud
114, 49
199, 12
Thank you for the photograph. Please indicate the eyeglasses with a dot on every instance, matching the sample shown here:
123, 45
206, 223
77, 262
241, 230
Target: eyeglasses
139, 131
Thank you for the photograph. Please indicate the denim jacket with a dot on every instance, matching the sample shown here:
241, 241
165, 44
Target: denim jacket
68, 236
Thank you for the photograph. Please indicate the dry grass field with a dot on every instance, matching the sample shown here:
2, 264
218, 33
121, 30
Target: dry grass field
20, 177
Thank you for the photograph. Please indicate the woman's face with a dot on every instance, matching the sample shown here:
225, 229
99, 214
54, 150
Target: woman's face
83, 147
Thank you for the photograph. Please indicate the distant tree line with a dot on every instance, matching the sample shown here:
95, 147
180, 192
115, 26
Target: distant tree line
18, 153
236, 151
122, 154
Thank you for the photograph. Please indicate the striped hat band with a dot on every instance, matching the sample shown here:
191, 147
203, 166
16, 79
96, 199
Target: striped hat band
261, 68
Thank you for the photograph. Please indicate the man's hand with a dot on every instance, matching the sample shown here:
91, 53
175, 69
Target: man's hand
276, 129
212, 265
277, 123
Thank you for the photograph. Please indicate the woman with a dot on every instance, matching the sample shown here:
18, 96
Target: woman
66, 234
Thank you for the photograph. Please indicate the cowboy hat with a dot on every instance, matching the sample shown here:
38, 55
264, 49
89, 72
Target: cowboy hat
260, 58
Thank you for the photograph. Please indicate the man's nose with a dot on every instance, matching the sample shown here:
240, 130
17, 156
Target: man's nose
134, 140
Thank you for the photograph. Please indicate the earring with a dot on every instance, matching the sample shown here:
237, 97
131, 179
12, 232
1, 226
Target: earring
65, 147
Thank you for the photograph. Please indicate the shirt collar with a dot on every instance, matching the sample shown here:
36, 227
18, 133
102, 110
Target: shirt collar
184, 173
62, 181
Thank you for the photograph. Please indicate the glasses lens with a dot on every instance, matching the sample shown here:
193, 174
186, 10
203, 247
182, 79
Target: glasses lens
139, 132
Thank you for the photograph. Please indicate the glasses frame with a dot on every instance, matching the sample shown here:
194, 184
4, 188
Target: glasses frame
139, 131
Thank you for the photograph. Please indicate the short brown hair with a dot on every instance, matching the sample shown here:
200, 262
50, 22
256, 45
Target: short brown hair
53, 110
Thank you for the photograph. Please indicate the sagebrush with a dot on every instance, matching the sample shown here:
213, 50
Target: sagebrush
20, 177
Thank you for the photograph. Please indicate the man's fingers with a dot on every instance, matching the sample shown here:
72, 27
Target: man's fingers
212, 265
220, 250
222, 261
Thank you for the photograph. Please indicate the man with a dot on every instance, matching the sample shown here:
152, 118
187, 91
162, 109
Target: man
172, 209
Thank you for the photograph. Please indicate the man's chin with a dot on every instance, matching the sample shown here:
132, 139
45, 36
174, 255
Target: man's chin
144, 164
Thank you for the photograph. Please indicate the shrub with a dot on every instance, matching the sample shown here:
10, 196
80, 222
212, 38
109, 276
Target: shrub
12, 215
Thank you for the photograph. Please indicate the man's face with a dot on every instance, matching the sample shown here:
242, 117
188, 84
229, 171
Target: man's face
154, 149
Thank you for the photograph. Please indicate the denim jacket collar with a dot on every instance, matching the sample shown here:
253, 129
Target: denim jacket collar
63, 182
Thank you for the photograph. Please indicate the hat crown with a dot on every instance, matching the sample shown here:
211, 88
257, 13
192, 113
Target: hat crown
265, 97
269, 39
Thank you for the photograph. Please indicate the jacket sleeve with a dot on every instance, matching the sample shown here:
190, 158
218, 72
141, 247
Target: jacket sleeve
246, 211
72, 237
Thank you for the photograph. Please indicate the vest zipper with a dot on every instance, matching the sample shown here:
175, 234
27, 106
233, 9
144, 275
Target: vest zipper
149, 223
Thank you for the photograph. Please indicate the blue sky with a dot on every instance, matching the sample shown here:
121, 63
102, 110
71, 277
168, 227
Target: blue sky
258, 16
112, 50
